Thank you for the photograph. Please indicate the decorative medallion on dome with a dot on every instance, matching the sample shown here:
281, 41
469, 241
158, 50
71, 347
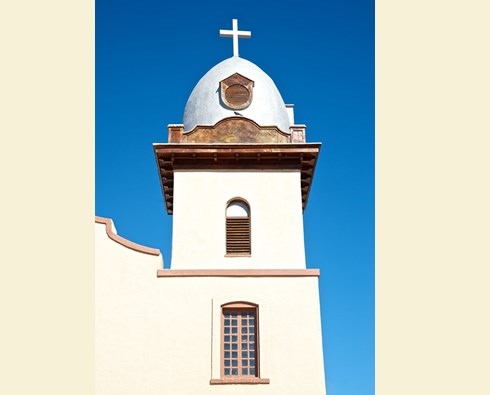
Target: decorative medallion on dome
236, 91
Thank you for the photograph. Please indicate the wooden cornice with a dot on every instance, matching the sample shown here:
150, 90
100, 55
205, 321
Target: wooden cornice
170, 157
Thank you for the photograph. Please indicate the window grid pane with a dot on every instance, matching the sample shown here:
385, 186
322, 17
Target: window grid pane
243, 357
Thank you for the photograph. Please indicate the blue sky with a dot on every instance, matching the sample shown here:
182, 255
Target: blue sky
150, 55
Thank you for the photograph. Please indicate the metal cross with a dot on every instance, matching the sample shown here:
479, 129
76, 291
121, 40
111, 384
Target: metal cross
236, 34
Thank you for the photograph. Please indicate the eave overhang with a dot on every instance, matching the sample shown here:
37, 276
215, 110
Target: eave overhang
172, 157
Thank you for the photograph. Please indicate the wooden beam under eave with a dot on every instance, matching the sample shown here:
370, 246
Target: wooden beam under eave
300, 156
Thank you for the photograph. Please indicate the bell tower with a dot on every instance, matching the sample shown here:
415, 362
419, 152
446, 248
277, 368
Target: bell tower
237, 143
236, 176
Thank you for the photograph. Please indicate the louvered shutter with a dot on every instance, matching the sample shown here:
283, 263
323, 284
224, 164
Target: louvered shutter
238, 235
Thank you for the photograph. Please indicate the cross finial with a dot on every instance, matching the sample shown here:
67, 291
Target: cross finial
236, 34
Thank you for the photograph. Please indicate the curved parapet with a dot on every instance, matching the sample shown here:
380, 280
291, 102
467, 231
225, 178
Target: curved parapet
111, 232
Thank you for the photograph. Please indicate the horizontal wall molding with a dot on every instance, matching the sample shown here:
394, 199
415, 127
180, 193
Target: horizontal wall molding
239, 273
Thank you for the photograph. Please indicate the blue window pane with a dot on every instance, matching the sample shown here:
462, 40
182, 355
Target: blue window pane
227, 372
252, 330
227, 362
252, 354
234, 346
244, 338
234, 372
234, 322
244, 362
252, 346
244, 330
252, 362
245, 371
227, 338
234, 339
227, 322
245, 354
252, 371
227, 315
233, 315
234, 362
244, 346
252, 338
227, 346
227, 330
234, 354
227, 354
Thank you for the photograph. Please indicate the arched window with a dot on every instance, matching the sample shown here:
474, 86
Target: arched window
238, 240
239, 340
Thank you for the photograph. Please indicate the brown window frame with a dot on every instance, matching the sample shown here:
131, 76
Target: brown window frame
238, 308
238, 232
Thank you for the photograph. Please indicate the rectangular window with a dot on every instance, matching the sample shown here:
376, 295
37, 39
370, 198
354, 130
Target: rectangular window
239, 342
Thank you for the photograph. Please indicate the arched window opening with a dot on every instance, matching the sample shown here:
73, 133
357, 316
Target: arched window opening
238, 240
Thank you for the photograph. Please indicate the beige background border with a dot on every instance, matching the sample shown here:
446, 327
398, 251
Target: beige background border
47, 198
432, 197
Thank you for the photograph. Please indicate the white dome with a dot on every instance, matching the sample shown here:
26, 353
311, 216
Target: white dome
204, 106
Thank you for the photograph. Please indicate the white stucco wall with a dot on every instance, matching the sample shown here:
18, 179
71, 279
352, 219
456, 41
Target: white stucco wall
200, 199
157, 336
125, 282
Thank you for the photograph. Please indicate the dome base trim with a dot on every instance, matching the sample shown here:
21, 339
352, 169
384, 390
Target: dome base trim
231, 130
